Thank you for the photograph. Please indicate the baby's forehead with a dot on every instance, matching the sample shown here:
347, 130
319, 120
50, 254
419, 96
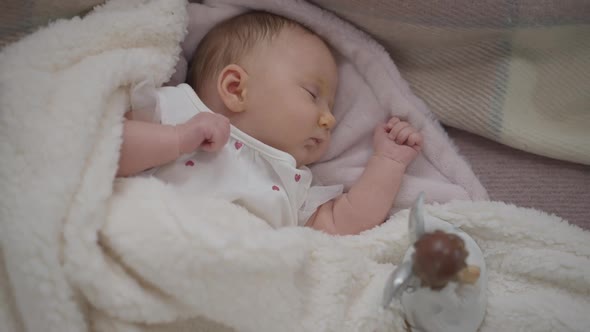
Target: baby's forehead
304, 39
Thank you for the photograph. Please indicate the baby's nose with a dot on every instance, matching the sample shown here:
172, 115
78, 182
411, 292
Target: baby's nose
327, 121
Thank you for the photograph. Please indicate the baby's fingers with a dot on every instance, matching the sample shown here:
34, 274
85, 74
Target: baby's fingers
382, 129
397, 128
415, 140
217, 140
381, 133
404, 134
392, 122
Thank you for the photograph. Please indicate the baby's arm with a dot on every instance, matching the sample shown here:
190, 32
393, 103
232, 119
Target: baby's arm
369, 200
147, 145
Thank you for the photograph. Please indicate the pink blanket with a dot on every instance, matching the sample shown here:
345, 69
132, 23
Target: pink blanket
370, 91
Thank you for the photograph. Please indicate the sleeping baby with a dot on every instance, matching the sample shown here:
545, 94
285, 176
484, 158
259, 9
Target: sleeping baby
256, 112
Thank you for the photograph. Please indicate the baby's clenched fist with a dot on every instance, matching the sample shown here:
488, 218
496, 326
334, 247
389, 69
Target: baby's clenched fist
397, 140
207, 131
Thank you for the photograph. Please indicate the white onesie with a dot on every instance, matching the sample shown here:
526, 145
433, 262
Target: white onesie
246, 171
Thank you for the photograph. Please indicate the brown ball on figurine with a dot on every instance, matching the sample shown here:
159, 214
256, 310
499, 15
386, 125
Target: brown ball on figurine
438, 259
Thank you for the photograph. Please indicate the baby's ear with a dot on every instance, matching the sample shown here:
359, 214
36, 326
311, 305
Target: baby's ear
231, 86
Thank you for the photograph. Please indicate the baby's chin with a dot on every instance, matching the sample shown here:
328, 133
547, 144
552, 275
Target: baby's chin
307, 159
308, 154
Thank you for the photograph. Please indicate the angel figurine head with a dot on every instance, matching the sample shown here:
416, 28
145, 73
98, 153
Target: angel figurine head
440, 257
442, 280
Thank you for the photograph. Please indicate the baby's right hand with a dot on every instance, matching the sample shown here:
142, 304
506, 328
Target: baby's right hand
208, 131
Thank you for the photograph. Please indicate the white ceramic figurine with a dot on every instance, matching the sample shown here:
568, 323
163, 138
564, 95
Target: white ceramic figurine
442, 280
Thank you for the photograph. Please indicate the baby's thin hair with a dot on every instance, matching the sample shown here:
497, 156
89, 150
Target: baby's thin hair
229, 41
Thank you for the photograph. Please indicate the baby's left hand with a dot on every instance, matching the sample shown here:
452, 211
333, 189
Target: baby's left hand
398, 140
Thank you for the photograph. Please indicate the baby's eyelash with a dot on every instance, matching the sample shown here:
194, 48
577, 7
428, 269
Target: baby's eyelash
311, 93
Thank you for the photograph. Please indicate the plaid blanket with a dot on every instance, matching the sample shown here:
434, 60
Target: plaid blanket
517, 72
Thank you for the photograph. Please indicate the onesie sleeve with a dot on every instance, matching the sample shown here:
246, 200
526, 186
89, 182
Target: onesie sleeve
145, 105
148, 104
166, 105
316, 196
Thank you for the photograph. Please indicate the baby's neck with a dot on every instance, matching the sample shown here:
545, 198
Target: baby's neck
214, 103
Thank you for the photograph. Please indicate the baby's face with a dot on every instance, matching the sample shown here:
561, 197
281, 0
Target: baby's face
291, 89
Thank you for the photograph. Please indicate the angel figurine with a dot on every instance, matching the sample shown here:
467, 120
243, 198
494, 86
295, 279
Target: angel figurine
442, 280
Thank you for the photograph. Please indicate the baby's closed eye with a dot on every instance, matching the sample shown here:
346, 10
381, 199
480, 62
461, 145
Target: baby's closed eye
312, 92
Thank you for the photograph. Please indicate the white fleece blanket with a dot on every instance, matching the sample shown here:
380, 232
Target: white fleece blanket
81, 254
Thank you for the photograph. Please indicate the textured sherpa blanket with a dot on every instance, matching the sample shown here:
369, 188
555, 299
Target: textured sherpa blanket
80, 253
